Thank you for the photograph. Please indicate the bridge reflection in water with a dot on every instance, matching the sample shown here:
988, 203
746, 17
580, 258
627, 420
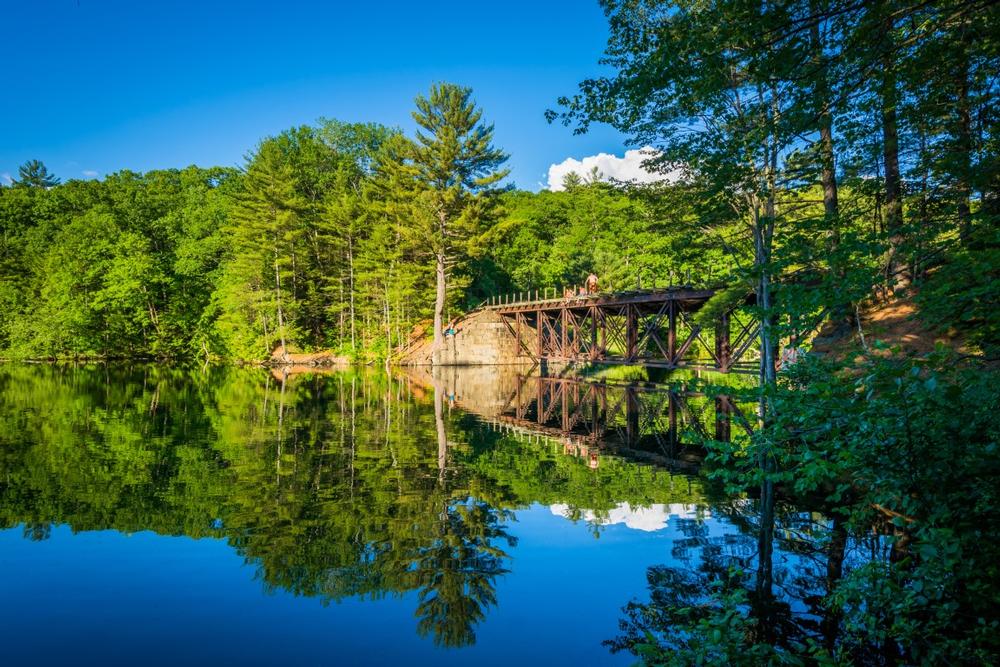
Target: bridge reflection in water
636, 419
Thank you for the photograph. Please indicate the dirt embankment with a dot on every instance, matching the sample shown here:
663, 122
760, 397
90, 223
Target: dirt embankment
324, 358
895, 323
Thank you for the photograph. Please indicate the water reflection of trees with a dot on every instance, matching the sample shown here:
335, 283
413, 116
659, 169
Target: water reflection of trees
727, 596
348, 485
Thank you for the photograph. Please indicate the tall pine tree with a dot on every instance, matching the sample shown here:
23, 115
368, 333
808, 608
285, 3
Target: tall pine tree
457, 169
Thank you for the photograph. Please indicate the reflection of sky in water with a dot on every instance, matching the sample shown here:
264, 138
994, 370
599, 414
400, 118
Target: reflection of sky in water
121, 599
651, 518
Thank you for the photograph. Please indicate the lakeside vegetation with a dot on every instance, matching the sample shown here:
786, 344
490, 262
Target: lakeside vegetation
321, 241
853, 148
834, 158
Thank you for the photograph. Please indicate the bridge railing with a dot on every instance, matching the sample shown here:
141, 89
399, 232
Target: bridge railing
551, 295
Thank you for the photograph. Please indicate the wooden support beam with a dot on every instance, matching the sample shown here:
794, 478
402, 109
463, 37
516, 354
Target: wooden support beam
564, 315
722, 423
539, 349
593, 334
517, 333
722, 347
632, 333
604, 331
672, 333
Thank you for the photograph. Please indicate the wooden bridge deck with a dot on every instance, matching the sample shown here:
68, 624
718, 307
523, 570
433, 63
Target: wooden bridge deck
685, 295
653, 327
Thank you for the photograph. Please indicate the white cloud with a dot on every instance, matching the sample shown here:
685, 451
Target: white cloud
628, 168
648, 519
6, 179
89, 173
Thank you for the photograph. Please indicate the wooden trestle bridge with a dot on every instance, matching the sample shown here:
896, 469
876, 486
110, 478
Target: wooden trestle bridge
642, 419
648, 327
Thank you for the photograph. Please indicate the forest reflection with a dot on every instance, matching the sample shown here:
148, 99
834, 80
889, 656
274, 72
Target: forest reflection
351, 484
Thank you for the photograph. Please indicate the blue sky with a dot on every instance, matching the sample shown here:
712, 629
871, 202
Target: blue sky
94, 86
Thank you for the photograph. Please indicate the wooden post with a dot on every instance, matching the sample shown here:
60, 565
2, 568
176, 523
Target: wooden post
593, 333
722, 424
604, 332
539, 337
631, 332
517, 334
722, 351
564, 333
672, 333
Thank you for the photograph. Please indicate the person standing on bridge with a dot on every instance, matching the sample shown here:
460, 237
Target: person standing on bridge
592, 283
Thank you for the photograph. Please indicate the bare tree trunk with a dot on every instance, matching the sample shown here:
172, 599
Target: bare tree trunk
828, 174
387, 322
281, 315
350, 265
763, 233
439, 302
923, 208
768, 377
831, 206
963, 139
890, 156
341, 309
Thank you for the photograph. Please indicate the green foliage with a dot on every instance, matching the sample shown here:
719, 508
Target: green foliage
122, 267
328, 238
34, 174
907, 448
920, 442
963, 294
841, 153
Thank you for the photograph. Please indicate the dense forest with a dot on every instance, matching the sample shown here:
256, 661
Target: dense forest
327, 238
838, 159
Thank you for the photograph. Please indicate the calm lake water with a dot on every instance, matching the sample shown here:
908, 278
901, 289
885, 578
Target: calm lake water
229, 516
